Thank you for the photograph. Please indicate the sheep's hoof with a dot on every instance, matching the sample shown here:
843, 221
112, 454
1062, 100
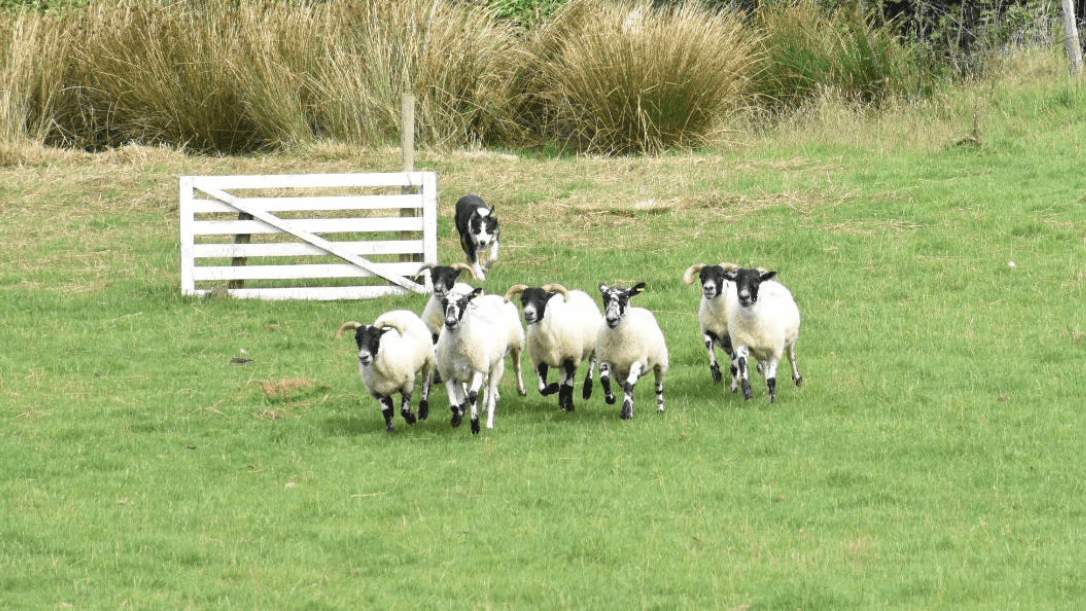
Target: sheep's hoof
474, 426
610, 399
627, 412
549, 390
424, 410
409, 417
456, 419
798, 380
717, 377
390, 429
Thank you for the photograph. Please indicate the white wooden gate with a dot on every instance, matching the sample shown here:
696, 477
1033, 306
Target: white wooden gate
312, 236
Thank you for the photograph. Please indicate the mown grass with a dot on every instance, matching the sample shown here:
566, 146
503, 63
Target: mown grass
931, 460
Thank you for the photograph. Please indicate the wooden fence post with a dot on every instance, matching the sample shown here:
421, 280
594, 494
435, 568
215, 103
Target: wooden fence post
1070, 38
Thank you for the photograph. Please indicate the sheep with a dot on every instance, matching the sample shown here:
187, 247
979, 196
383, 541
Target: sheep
479, 231
443, 280
479, 331
561, 333
713, 314
763, 322
629, 344
389, 362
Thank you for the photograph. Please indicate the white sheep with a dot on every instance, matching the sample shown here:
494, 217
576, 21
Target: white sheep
479, 331
389, 362
713, 314
562, 328
629, 344
763, 322
443, 280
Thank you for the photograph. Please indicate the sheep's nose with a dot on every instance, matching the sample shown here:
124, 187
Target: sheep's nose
365, 359
612, 323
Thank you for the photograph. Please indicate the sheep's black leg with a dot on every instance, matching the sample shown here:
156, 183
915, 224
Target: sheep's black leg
659, 390
405, 408
744, 374
772, 384
586, 391
565, 395
545, 389
458, 414
386, 411
605, 382
711, 338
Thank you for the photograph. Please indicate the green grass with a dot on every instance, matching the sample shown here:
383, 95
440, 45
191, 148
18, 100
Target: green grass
932, 458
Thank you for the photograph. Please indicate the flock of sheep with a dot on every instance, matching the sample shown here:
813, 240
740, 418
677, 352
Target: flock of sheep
463, 336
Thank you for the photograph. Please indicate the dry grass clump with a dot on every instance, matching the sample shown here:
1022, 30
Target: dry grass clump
628, 77
809, 49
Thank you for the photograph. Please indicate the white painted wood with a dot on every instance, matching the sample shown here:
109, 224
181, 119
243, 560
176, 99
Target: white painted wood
321, 207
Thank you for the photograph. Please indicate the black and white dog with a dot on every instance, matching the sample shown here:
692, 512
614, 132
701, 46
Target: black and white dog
479, 230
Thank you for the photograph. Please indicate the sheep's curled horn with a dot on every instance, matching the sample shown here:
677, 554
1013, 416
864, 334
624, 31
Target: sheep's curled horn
554, 287
688, 276
515, 290
464, 267
347, 326
393, 324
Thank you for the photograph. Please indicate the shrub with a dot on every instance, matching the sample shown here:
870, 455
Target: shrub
629, 77
808, 48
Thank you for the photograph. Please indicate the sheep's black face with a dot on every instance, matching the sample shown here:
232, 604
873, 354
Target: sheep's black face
534, 301
747, 283
368, 339
483, 227
455, 308
443, 279
712, 281
616, 301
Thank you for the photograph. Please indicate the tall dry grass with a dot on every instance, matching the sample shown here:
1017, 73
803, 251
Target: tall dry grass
606, 76
625, 77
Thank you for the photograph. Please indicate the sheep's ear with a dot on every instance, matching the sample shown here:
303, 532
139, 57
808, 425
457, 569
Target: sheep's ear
766, 275
730, 274
603, 288
475, 293
637, 288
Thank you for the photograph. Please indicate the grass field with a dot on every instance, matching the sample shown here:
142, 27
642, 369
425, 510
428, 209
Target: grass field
932, 459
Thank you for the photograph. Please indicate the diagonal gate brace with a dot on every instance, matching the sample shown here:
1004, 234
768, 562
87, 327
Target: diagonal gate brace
330, 247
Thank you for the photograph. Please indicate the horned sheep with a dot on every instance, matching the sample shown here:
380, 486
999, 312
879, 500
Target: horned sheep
392, 353
713, 314
763, 322
479, 331
562, 328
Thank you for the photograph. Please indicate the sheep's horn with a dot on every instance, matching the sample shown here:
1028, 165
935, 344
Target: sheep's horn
347, 326
464, 267
554, 287
390, 324
730, 267
688, 276
515, 290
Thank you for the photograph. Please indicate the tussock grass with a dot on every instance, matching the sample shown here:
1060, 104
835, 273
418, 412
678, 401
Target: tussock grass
809, 50
597, 76
628, 77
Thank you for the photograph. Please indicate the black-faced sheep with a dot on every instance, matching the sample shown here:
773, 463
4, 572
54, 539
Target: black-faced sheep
629, 344
763, 322
713, 314
479, 231
562, 329
392, 352
443, 279
479, 331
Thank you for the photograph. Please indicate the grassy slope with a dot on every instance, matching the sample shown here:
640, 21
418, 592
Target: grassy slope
933, 458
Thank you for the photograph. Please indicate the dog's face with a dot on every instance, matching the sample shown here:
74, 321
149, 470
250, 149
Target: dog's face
483, 227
